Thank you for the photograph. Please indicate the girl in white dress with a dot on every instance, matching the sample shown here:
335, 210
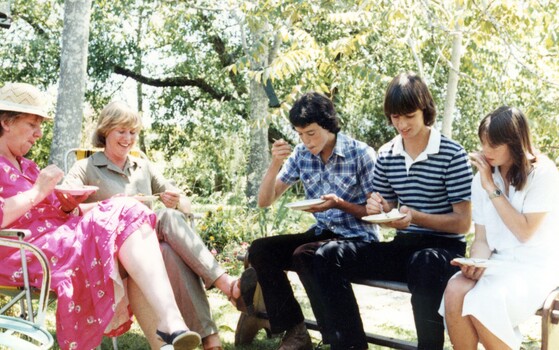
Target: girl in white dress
516, 214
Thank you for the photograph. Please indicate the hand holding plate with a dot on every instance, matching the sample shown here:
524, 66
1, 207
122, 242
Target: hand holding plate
471, 268
170, 198
71, 196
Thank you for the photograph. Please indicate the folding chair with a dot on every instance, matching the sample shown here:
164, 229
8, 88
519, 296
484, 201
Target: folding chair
30, 324
26, 331
81, 153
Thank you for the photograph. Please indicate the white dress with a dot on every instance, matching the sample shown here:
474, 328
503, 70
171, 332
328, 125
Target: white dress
520, 275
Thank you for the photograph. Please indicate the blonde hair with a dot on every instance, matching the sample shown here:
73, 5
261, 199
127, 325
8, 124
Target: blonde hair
116, 114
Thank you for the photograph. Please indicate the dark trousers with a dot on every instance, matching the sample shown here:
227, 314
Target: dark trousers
271, 257
422, 261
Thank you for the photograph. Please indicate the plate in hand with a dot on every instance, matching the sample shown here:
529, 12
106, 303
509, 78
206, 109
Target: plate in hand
384, 217
76, 190
146, 197
477, 262
305, 204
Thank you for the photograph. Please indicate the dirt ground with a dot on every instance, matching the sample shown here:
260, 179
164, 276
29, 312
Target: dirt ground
389, 313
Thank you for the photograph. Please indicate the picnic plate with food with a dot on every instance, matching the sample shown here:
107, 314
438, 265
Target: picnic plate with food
304, 204
477, 262
76, 190
146, 197
380, 218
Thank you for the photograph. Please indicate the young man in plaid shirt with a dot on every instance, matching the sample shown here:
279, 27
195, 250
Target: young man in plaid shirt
333, 167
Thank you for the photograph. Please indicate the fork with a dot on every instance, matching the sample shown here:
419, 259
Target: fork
382, 210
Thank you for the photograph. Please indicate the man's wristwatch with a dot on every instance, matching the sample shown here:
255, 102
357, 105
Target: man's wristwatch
496, 193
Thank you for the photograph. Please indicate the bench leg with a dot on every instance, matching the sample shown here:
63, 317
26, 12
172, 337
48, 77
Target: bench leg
550, 322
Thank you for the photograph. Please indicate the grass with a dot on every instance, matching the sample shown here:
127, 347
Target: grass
383, 312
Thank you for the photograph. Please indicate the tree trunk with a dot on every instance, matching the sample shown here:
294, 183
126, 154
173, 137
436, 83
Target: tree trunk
73, 64
452, 85
259, 156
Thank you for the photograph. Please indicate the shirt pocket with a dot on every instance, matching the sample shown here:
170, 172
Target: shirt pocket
345, 185
310, 179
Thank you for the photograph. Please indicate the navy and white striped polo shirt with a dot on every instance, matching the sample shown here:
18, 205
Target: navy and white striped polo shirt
439, 177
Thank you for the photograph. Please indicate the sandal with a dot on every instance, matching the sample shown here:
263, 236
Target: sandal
247, 284
181, 340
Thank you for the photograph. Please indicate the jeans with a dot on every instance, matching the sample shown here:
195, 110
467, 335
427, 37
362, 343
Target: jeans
422, 261
271, 257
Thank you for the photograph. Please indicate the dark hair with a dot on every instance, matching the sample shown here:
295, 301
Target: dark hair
406, 94
313, 107
9, 117
509, 126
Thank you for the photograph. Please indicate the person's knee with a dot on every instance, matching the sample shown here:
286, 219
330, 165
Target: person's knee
171, 224
429, 270
167, 214
329, 255
454, 294
258, 251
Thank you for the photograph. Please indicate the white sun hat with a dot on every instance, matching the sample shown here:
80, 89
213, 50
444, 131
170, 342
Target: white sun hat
23, 98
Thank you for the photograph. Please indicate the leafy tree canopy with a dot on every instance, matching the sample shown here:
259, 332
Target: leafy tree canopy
194, 62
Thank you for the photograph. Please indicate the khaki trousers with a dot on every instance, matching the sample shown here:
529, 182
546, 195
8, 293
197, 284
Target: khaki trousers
191, 268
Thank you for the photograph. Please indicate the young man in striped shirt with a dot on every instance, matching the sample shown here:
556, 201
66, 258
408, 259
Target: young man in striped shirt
427, 176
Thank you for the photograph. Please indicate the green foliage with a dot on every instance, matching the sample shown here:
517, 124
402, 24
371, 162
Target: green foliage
227, 230
196, 61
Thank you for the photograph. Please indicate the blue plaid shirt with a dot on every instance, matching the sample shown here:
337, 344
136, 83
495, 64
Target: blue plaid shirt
348, 174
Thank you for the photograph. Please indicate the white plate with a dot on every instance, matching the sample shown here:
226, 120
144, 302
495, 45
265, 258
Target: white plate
146, 198
383, 217
305, 204
75, 190
473, 262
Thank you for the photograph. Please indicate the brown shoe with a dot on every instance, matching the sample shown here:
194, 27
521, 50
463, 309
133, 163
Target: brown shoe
296, 338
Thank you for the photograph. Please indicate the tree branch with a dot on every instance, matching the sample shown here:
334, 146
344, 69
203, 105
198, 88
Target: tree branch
176, 81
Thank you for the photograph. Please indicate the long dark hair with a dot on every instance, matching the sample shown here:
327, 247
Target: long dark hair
509, 126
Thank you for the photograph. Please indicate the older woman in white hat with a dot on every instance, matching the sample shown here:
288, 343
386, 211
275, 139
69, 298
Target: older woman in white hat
86, 249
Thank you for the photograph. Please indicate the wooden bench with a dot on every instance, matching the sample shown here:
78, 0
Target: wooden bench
378, 339
549, 317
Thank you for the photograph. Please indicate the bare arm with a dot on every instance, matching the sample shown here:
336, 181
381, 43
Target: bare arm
480, 247
335, 202
272, 188
458, 221
480, 250
522, 225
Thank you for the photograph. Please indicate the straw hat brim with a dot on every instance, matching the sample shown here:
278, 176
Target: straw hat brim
23, 98
16, 107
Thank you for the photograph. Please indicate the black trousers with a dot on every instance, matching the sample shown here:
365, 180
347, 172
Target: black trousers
422, 261
271, 257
